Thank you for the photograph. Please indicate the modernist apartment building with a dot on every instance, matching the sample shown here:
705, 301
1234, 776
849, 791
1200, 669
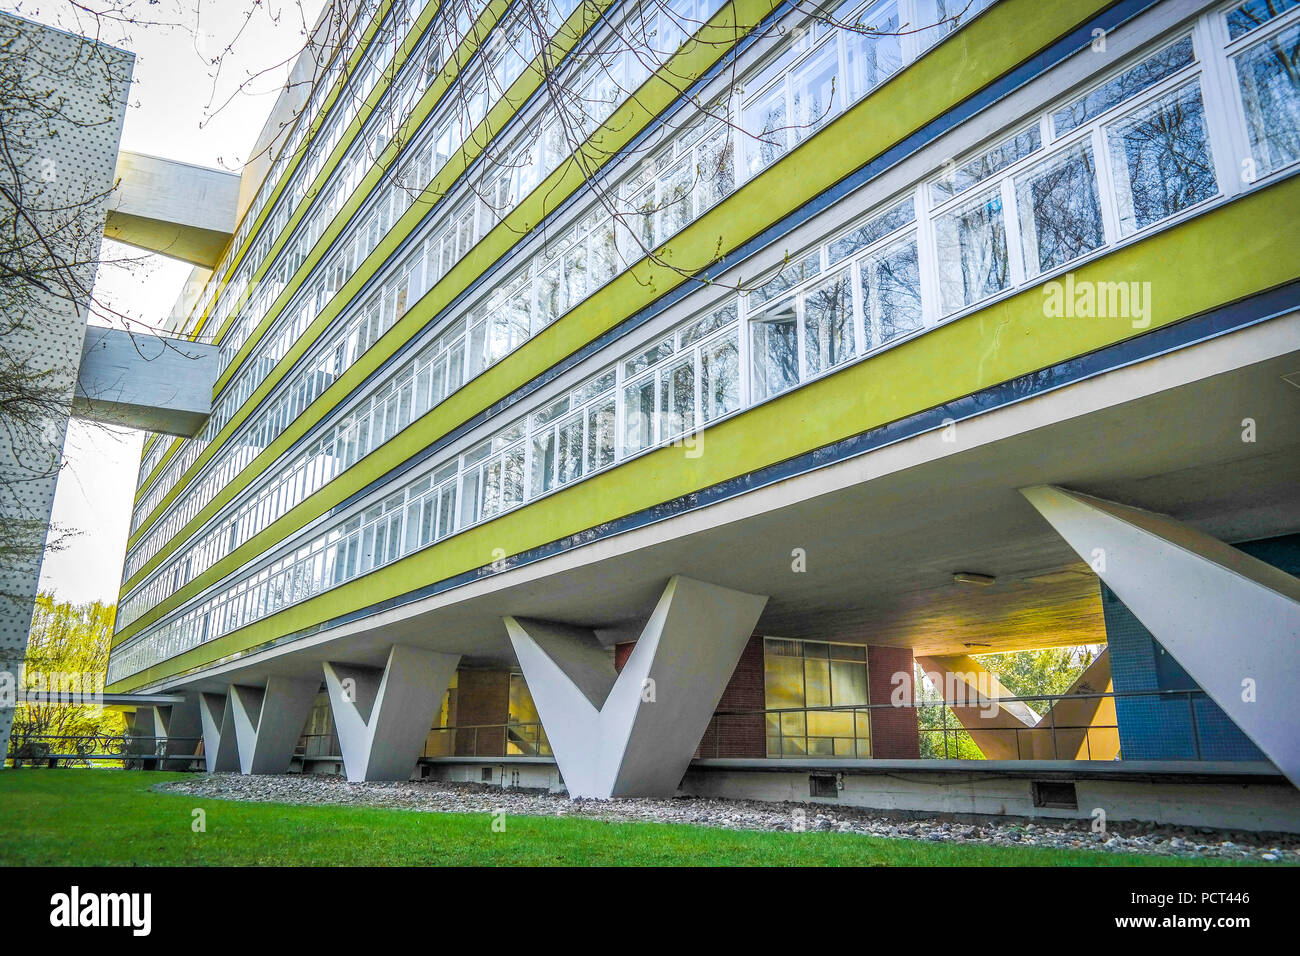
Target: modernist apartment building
657, 420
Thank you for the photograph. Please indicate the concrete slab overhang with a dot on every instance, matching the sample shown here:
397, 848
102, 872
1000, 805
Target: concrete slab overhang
145, 381
885, 531
172, 208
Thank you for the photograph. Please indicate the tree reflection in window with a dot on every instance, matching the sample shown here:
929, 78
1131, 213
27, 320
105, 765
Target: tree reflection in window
1160, 159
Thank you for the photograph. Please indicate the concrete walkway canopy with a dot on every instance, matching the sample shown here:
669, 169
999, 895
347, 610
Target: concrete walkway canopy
145, 381
174, 209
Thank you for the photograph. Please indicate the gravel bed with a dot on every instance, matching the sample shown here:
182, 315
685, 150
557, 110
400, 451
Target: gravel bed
437, 796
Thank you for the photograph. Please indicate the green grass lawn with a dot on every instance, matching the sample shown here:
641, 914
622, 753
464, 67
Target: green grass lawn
110, 817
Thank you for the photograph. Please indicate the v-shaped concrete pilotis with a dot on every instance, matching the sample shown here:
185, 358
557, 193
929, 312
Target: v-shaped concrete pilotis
382, 717
181, 721
269, 721
1231, 620
220, 752
634, 733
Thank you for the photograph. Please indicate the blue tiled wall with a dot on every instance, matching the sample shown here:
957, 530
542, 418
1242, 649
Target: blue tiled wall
1161, 728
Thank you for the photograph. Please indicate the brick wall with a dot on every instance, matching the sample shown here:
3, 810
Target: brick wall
730, 736
482, 697
894, 729
740, 736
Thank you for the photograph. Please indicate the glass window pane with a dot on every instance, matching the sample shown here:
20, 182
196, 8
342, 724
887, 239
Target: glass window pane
783, 681
1160, 157
789, 277
512, 489
716, 162
849, 684
1125, 86
1060, 210
543, 463
600, 435
830, 723
678, 399
776, 350
891, 292
828, 323
972, 242
638, 415
973, 171
872, 46
675, 199
1247, 16
570, 451
720, 378
1269, 75
875, 228
815, 91
765, 129
817, 683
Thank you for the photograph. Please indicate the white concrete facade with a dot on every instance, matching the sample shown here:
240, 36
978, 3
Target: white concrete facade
382, 717
633, 733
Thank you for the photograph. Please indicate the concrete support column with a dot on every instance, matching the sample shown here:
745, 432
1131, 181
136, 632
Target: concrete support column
268, 721
218, 722
382, 717
183, 722
1231, 620
632, 733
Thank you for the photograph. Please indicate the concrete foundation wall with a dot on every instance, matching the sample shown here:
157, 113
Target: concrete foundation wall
1271, 806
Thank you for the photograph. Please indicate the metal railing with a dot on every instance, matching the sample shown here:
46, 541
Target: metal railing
131, 751
468, 740
845, 730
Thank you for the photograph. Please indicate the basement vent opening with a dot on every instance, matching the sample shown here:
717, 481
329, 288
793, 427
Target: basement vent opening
486, 776
1055, 795
823, 785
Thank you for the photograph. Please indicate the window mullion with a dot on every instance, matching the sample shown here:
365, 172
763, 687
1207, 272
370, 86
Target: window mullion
927, 257
1225, 118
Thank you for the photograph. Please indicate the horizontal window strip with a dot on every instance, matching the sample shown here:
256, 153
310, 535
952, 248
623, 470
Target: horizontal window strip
761, 446
221, 414
307, 206
639, 292
301, 137
543, 193
876, 233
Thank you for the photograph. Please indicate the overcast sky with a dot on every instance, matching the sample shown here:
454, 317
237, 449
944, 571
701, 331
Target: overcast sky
173, 112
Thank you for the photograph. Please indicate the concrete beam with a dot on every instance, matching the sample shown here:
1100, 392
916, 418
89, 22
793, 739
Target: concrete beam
145, 381
220, 752
175, 209
633, 733
269, 721
382, 717
1231, 620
